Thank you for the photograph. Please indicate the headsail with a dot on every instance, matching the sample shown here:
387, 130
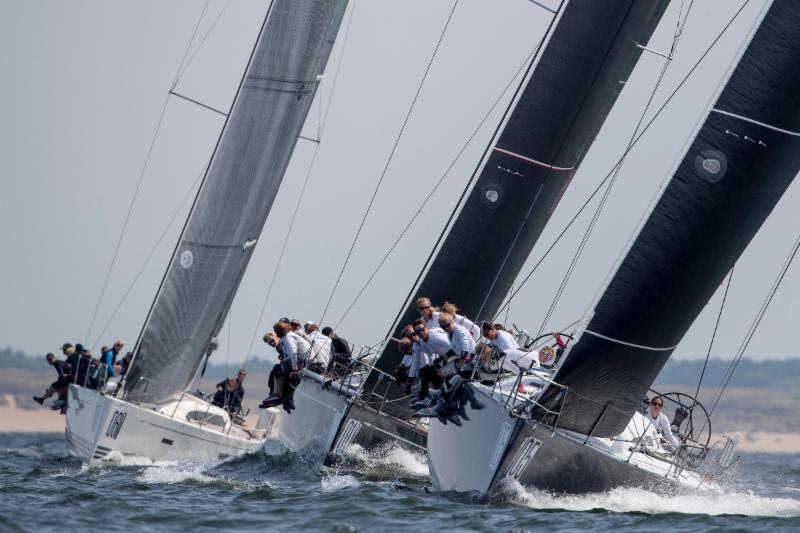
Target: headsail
559, 108
236, 196
738, 166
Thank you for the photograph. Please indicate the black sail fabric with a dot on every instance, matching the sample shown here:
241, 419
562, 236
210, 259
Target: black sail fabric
745, 155
560, 109
236, 196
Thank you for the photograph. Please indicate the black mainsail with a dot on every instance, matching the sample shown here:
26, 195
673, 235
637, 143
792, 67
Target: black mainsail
558, 110
236, 195
743, 158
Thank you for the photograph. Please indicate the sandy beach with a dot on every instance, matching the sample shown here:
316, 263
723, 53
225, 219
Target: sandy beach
17, 420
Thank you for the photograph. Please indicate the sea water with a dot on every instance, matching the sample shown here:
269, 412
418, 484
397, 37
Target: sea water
43, 489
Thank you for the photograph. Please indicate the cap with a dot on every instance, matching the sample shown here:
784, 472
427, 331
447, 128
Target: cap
295, 322
309, 323
284, 320
66, 345
79, 348
327, 330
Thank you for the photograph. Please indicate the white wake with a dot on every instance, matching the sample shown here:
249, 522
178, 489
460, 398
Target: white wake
630, 500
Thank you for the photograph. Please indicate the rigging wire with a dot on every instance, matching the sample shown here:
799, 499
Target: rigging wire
714, 334
152, 252
598, 211
473, 178
754, 326
139, 182
625, 153
200, 45
322, 123
389, 159
438, 184
529, 61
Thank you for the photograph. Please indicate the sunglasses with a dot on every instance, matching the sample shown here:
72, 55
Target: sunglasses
657, 404
419, 331
424, 307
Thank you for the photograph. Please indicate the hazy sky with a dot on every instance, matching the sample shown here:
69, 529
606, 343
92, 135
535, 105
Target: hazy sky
83, 87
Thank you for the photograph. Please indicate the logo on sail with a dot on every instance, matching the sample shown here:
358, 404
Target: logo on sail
710, 165
187, 258
491, 195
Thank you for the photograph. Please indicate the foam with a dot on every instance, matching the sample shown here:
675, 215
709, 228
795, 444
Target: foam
393, 457
337, 482
636, 500
172, 472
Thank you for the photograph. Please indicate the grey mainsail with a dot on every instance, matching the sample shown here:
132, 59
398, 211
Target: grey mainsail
235, 197
744, 156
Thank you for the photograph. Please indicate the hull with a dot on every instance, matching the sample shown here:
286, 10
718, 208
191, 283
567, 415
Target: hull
481, 444
374, 430
311, 428
100, 427
503, 449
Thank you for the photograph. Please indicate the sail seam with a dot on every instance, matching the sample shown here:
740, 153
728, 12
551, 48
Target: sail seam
247, 244
756, 122
632, 345
532, 161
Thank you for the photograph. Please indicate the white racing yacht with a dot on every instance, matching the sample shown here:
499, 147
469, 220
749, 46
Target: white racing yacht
151, 412
579, 428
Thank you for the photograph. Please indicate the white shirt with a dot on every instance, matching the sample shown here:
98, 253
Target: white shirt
419, 359
461, 341
662, 426
473, 328
433, 323
437, 344
321, 346
295, 347
504, 342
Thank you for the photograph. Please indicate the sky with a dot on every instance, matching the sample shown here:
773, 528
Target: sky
85, 82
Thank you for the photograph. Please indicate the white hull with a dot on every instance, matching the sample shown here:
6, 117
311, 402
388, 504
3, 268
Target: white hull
465, 459
494, 448
312, 425
101, 427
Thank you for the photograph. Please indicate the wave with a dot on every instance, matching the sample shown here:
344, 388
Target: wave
335, 482
636, 500
388, 461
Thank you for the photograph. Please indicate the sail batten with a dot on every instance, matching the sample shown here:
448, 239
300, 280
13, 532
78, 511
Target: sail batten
733, 173
235, 197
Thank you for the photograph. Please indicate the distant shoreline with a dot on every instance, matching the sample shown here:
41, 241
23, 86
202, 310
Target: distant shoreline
17, 420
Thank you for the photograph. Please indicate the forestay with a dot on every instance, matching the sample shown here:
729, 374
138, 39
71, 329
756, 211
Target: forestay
236, 195
741, 161
558, 110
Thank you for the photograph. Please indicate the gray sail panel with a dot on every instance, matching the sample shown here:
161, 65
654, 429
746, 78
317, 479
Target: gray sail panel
743, 158
236, 196
559, 112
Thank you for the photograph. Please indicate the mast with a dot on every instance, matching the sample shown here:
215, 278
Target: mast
559, 108
742, 159
236, 195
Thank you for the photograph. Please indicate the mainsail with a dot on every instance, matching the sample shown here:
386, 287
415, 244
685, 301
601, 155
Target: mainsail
744, 156
560, 106
235, 198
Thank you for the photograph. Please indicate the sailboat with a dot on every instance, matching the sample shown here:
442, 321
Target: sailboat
579, 427
571, 83
151, 412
